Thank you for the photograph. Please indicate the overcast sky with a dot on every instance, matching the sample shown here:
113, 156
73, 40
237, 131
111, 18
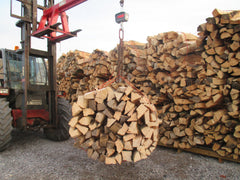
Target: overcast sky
96, 18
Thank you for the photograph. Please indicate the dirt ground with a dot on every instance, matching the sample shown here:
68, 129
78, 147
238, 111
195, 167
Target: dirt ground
32, 156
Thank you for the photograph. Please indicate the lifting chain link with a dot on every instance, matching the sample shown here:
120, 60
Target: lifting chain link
120, 50
120, 54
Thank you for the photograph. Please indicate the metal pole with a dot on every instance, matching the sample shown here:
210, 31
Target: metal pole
26, 45
34, 15
52, 61
52, 82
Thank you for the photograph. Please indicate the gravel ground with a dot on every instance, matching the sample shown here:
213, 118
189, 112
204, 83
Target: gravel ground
32, 156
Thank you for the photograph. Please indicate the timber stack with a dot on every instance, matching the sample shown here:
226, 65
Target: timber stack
70, 71
175, 61
80, 72
194, 83
115, 124
97, 72
135, 67
203, 92
222, 57
178, 74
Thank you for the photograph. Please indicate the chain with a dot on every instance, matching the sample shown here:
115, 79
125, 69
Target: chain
120, 54
120, 50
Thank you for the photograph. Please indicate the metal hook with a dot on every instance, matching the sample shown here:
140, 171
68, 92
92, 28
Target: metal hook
121, 34
121, 3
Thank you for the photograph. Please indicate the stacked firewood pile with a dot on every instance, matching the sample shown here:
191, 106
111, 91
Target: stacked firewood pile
178, 74
222, 57
135, 67
172, 56
80, 72
193, 82
202, 106
115, 125
97, 72
70, 71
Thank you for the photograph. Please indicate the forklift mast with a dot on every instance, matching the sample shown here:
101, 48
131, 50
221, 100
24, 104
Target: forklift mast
48, 27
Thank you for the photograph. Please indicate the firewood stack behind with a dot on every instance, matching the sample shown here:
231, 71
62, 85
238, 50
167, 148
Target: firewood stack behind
203, 106
70, 72
178, 72
115, 125
172, 56
222, 57
135, 67
98, 70
80, 72
193, 82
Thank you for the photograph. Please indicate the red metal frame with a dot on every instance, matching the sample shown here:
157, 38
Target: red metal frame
32, 114
50, 17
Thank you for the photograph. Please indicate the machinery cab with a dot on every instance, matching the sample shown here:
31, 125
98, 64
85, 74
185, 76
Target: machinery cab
11, 78
11, 70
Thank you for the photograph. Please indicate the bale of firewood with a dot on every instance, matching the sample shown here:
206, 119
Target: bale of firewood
115, 125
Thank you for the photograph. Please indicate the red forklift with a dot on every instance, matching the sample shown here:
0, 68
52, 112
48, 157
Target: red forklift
29, 98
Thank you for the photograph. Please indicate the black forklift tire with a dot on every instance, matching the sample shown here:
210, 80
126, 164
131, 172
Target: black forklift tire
5, 124
64, 114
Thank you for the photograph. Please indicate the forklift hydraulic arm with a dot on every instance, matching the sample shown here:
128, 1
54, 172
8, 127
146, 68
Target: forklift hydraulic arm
48, 23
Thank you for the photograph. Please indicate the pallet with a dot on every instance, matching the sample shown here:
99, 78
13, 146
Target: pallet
203, 151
